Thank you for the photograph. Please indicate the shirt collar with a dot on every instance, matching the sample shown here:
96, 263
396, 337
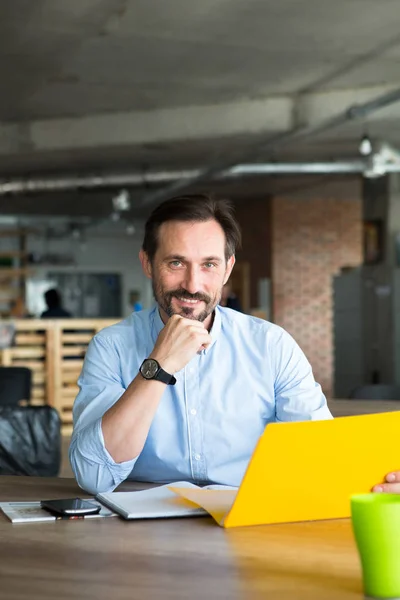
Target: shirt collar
215, 329
158, 324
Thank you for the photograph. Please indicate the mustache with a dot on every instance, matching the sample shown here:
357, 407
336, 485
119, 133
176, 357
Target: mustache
181, 293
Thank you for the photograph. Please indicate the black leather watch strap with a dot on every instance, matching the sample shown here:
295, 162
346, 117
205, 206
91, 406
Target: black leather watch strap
151, 369
165, 377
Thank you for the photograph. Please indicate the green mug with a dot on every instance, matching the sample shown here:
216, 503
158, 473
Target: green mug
376, 526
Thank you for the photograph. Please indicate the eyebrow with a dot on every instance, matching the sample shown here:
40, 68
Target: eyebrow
183, 259
212, 259
174, 257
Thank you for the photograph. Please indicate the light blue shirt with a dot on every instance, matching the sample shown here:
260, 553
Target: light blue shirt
207, 424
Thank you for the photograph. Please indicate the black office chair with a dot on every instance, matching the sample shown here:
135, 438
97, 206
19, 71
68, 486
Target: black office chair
15, 385
377, 391
30, 441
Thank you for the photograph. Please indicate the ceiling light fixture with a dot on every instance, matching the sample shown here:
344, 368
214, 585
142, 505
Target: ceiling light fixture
121, 201
384, 159
365, 147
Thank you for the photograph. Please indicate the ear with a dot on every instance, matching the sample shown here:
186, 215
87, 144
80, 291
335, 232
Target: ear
229, 267
146, 264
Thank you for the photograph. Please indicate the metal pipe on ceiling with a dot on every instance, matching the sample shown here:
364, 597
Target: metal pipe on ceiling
183, 178
74, 182
110, 180
353, 112
356, 166
91, 182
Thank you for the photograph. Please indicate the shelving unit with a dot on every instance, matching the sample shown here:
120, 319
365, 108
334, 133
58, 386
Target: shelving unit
13, 270
54, 350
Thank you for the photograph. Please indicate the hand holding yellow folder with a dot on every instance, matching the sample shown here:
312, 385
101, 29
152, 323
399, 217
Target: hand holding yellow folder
307, 471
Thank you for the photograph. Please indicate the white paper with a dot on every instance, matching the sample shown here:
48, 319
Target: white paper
155, 503
31, 512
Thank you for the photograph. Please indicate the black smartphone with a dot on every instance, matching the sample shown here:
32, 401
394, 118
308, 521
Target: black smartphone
71, 507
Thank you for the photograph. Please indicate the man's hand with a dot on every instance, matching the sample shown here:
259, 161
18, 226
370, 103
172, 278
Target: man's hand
391, 485
178, 343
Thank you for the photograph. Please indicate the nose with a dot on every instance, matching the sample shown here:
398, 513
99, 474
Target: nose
192, 280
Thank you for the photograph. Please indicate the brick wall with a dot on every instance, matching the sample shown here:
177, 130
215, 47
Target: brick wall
313, 236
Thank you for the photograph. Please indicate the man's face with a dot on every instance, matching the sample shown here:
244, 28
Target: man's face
189, 269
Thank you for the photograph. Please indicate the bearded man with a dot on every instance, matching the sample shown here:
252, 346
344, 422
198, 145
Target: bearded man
184, 390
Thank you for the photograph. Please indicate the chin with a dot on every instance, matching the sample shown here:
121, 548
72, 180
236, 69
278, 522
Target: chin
189, 313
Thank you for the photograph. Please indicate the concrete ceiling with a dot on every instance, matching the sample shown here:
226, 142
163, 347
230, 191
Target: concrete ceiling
108, 85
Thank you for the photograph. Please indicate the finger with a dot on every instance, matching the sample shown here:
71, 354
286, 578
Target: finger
387, 488
175, 317
182, 324
207, 339
206, 342
205, 346
193, 323
393, 477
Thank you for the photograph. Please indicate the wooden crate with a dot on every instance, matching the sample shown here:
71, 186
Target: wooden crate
54, 350
30, 350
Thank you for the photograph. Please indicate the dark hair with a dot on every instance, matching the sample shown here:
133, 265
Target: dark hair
193, 207
53, 298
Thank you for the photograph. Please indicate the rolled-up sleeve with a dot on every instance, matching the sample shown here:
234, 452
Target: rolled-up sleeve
101, 386
298, 397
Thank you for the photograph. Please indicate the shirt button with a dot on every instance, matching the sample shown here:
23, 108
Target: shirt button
193, 411
197, 457
191, 370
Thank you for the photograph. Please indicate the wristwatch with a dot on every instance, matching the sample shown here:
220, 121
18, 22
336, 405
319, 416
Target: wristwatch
150, 369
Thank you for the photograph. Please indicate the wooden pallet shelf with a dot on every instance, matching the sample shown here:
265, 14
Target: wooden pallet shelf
55, 356
13, 254
14, 270
11, 272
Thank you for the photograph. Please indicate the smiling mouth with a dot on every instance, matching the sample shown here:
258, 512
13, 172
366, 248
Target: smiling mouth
188, 300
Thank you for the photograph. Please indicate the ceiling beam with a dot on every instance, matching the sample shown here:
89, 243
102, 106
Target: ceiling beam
270, 116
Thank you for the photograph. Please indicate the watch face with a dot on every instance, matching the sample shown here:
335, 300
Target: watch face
149, 368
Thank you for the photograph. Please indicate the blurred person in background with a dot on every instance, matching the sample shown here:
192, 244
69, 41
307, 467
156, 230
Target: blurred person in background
54, 306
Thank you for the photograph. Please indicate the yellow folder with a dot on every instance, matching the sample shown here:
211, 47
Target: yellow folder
307, 471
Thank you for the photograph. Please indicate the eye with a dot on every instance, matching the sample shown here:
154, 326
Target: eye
210, 265
175, 264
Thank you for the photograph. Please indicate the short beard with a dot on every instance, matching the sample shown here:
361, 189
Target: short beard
164, 300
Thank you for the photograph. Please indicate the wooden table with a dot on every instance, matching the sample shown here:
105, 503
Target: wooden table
345, 408
173, 558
